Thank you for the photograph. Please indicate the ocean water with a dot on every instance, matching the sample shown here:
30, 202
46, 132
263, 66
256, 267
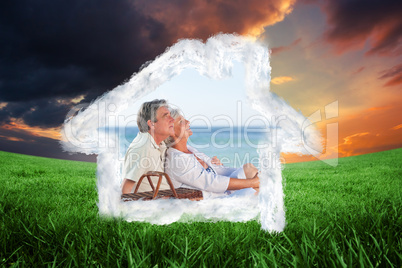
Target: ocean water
234, 146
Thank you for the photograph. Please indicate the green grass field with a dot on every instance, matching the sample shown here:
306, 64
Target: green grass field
336, 217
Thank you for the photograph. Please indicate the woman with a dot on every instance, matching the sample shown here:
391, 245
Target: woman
190, 168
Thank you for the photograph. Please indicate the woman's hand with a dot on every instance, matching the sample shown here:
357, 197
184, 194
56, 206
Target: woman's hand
255, 183
216, 161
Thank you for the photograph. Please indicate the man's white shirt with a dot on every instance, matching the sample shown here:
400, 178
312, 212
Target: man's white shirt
144, 155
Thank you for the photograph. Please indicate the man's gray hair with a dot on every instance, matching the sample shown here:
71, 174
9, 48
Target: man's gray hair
169, 141
148, 112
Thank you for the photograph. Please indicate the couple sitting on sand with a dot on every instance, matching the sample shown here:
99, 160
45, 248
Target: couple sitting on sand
161, 145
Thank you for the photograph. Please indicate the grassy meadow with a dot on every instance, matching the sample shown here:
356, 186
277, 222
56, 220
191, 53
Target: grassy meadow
347, 216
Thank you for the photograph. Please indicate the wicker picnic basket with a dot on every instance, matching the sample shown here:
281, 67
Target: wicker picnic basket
179, 193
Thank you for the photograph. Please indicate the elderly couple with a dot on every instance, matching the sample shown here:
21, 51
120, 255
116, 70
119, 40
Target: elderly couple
161, 145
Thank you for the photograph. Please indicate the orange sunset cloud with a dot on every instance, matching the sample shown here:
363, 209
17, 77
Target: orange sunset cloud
53, 133
200, 19
11, 138
397, 127
277, 50
394, 75
281, 79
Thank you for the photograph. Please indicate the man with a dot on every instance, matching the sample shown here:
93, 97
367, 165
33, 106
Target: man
147, 150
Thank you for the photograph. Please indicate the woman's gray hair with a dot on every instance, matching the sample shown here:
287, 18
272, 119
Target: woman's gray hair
169, 141
148, 112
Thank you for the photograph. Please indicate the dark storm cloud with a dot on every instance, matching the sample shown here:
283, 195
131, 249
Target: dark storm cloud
352, 23
61, 48
58, 49
64, 49
46, 113
43, 113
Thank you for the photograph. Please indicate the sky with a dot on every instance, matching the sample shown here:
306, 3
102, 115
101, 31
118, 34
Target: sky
207, 109
55, 55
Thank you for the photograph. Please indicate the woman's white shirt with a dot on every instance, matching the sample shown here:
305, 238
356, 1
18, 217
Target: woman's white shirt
186, 171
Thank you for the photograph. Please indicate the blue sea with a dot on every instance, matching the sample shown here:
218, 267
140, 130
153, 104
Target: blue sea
234, 146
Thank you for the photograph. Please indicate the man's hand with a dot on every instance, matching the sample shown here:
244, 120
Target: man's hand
216, 161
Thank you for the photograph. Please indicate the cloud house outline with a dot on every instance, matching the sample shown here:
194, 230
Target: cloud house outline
84, 133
